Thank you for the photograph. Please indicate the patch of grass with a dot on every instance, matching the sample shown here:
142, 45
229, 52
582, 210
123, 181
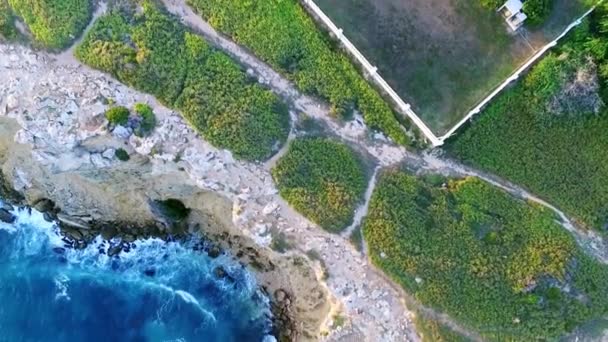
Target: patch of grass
154, 53
500, 266
322, 179
282, 34
548, 133
339, 321
54, 23
118, 115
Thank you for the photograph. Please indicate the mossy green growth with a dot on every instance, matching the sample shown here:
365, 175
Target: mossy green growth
147, 119
530, 281
323, 179
54, 23
118, 115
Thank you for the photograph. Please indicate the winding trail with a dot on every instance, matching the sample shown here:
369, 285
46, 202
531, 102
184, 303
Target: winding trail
361, 212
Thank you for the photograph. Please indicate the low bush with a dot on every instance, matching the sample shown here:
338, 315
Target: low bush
7, 21
537, 10
147, 119
153, 52
122, 155
548, 132
500, 266
322, 179
118, 115
282, 34
54, 23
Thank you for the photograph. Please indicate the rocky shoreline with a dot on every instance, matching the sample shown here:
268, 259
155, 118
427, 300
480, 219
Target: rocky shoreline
78, 233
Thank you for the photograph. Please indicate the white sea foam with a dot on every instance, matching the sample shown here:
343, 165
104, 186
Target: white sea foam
62, 285
171, 261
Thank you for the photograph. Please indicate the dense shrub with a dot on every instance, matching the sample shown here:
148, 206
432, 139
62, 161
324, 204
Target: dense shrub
322, 179
122, 155
500, 266
537, 10
147, 119
7, 25
54, 23
281, 33
153, 52
560, 157
118, 115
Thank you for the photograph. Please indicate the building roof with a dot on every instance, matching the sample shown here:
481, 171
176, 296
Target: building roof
513, 6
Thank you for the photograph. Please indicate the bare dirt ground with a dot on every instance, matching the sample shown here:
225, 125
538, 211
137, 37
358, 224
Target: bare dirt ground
442, 56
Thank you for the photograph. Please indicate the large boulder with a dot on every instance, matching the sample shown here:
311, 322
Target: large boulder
6, 216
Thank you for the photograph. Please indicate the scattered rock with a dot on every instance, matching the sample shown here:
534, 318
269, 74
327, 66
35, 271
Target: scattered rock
6, 206
214, 252
48, 217
220, 272
280, 295
6, 216
12, 102
121, 132
44, 205
114, 250
59, 250
109, 154
72, 222
270, 208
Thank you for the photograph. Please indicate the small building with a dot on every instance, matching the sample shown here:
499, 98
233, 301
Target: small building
513, 13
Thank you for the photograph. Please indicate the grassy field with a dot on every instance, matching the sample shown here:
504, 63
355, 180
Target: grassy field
548, 133
442, 56
54, 24
499, 266
154, 53
282, 34
323, 179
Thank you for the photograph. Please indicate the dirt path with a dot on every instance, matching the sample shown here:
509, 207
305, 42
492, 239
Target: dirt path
361, 212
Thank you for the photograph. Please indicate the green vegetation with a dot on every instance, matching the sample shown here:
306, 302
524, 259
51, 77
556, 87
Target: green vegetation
154, 53
498, 265
537, 10
7, 21
147, 119
433, 331
53, 23
122, 155
322, 179
118, 115
281, 33
549, 132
